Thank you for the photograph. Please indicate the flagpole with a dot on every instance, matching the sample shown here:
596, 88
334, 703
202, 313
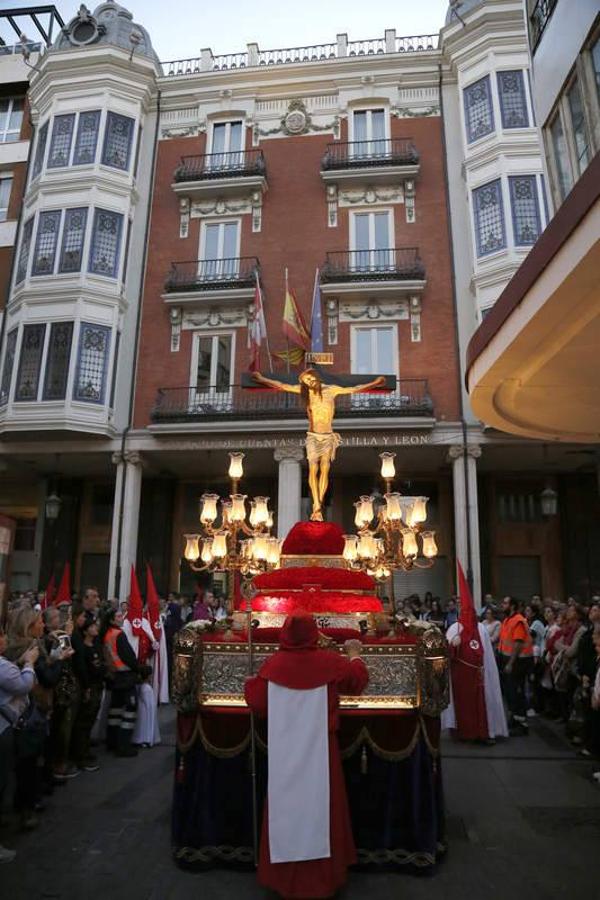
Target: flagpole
287, 340
264, 322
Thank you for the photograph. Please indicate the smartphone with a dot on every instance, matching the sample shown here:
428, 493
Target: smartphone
64, 641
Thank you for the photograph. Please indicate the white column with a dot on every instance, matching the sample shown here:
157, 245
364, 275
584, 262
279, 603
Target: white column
466, 515
289, 491
128, 489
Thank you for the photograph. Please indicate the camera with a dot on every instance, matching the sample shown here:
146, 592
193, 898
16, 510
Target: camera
64, 641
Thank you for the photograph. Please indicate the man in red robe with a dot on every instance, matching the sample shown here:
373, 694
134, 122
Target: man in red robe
306, 844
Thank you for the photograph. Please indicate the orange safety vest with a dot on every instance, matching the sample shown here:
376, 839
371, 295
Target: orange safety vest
113, 660
506, 644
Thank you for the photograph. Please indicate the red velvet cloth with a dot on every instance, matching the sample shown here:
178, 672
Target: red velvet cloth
294, 666
313, 576
319, 538
316, 601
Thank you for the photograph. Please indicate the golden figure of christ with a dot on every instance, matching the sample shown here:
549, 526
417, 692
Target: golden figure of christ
321, 440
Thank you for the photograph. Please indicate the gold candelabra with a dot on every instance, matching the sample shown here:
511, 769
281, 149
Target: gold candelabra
389, 538
233, 539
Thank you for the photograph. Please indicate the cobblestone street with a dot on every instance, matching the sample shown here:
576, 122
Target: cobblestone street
523, 821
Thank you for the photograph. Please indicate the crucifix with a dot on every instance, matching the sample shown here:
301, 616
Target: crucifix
318, 393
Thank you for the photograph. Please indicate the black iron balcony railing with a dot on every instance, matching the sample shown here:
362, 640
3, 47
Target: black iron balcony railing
370, 154
538, 19
391, 264
239, 164
212, 274
184, 404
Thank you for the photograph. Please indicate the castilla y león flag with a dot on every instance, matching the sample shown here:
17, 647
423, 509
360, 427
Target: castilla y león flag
294, 326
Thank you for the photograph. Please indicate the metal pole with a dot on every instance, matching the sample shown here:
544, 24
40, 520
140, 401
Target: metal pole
252, 744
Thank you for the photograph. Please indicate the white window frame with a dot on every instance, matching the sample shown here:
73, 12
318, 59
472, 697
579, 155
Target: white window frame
202, 248
366, 399
370, 108
6, 176
205, 396
370, 212
7, 130
210, 144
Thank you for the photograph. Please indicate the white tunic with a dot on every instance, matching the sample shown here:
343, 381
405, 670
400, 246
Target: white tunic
494, 707
146, 729
298, 788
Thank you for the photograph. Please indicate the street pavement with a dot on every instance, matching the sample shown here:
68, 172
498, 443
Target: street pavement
523, 822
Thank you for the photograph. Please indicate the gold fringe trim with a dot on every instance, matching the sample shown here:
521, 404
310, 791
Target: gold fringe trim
223, 853
364, 737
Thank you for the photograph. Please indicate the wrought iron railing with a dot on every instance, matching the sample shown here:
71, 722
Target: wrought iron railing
370, 154
390, 264
538, 19
238, 163
342, 47
212, 274
182, 404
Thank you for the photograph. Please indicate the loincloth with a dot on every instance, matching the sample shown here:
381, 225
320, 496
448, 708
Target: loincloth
318, 445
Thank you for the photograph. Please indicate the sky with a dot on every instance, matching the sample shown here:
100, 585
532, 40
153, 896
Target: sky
181, 28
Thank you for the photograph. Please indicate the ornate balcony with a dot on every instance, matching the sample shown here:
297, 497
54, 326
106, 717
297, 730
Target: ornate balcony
225, 279
373, 272
357, 162
220, 174
187, 404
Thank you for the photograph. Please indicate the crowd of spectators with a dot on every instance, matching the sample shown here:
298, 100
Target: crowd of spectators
65, 671
557, 677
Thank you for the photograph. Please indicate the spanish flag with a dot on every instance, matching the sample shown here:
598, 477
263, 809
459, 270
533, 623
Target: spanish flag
294, 326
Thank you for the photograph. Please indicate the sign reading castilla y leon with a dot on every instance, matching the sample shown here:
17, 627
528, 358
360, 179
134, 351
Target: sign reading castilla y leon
365, 439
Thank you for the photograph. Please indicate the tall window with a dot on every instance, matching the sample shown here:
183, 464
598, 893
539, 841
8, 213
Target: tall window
30, 362
595, 59
60, 145
578, 126
72, 240
372, 242
490, 233
57, 361
369, 133
220, 254
9, 363
226, 150
212, 363
560, 155
513, 104
479, 114
373, 349
525, 209
106, 240
87, 137
40, 150
118, 135
5, 189
45, 243
24, 251
11, 119
92, 361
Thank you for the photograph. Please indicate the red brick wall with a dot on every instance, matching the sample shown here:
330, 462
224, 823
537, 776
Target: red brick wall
295, 234
19, 172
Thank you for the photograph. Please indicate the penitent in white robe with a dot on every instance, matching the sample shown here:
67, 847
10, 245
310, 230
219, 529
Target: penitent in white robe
494, 707
146, 729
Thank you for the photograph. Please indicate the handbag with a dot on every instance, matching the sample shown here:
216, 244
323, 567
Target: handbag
561, 669
31, 730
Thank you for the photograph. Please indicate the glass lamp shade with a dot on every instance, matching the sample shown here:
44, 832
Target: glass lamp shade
409, 544
407, 505
419, 513
388, 469
236, 466
238, 508
393, 507
219, 545
53, 505
269, 522
260, 548
208, 509
430, 549
261, 511
548, 501
367, 548
350, 547
192, 551
207, 555
273, 551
